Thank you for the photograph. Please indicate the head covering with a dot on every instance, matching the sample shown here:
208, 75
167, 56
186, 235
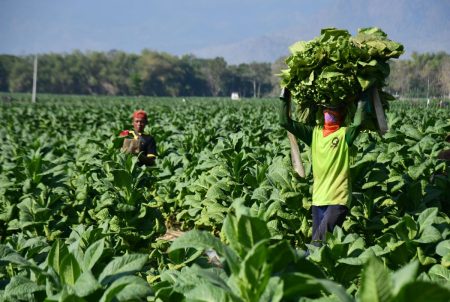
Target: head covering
332, 116
333, 119
140, 114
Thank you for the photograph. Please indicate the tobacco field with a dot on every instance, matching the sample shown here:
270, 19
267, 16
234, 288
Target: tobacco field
81, 221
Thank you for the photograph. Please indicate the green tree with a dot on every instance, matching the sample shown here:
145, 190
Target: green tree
21, 76
6, 64
214, 71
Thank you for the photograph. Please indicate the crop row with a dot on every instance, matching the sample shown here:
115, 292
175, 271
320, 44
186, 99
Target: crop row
81, 221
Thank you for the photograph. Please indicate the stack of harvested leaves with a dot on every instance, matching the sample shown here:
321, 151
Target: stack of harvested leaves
334, 68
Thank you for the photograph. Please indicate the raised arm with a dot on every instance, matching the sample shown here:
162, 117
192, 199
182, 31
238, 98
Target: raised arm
300, 130
362, 108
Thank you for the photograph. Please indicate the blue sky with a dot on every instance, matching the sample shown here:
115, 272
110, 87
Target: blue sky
211, 27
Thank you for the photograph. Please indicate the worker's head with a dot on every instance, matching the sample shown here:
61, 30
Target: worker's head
333, 115
139, 120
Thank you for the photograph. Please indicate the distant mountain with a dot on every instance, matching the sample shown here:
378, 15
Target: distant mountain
270, 48
261, 49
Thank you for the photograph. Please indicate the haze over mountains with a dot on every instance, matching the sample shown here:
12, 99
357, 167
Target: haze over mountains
238, 30
422, 26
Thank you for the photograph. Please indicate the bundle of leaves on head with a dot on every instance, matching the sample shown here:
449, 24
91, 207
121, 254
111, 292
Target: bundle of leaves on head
335, 68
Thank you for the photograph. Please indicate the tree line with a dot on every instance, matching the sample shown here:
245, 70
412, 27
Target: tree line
150, 73
423, 75
154, 73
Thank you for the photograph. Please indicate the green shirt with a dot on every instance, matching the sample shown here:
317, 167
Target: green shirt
330, 157
331, 169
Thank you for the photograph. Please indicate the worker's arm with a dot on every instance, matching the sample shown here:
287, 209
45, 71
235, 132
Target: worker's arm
300, 130
362, 108
149, 155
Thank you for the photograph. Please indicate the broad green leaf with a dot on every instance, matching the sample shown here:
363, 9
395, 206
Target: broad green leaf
255, 268
429, 234
122, 178
250, 230
208, 292
86, 284
423, 258
300, 285
376, 283
439, 273
69, 270
445, 261
57, 253
280, 254
273, 291
92, 254
215, 276
231, 234
16, 259
427, 217
199, 240
279, 174
203, 240
406, 229
417, 171
336, 290
122, 266
420, 291
22, 288
404, 275
127, 288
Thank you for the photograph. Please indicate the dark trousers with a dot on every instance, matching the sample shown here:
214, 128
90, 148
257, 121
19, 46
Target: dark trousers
324, 220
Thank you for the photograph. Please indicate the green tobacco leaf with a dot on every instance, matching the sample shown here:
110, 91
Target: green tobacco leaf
420, 291
429, 234
280, 255
375, 283
127, 288
423, 258
199, 240
300, 285
217, 190
336, 290
255, 271
122, 178
251, 230
92, 254
69, 270
215, 276
86, 284
406, 229
427, 217
57, 253
124, 265
15, 258
439, 273
417, 171
405, 275
208, 292
244, 232
273, 291
411, 131
22, 288
279, 174
203, 240
445, 261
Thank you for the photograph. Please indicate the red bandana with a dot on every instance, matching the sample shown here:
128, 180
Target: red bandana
140, 114
332, 123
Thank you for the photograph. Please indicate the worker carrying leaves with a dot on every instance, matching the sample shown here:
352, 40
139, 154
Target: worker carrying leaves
137, 142
330, 144
333, 79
